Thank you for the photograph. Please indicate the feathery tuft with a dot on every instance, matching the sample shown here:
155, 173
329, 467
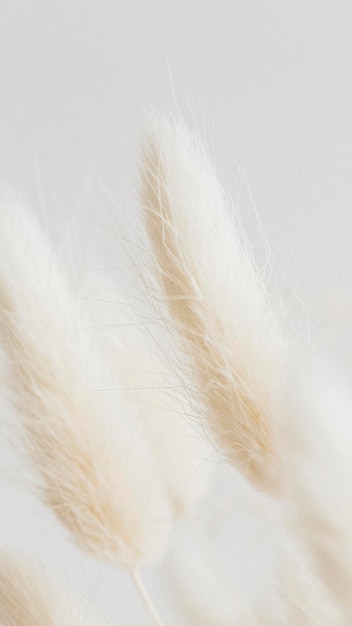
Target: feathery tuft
100, 483
28, 599
215, 300
181, 454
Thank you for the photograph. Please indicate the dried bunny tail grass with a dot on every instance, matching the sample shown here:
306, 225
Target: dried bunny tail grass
181, 453
216, 302
316, 433
102, 485
28, 599
149, 385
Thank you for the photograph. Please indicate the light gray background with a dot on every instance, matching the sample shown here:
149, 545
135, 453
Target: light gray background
268, 84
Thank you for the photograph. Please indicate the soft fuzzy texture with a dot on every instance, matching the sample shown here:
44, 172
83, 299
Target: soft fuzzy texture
181, 454
233, 347
28, 599
108, 423
141, 372
216, 302
316, 434
100, 483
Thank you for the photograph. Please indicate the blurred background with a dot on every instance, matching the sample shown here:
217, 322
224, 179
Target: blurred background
268, 85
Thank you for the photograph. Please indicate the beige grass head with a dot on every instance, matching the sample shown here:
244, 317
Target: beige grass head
28, 598
216, 304
101, 483
151, 387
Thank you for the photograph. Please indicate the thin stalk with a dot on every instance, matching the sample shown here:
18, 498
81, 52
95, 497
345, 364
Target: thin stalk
139, 584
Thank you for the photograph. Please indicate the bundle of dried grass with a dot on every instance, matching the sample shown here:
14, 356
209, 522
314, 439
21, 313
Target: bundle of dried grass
115, 468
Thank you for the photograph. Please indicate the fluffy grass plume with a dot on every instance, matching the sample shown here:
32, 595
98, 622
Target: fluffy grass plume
28, 599
180, 451
216, 303
181, 454
102, 485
